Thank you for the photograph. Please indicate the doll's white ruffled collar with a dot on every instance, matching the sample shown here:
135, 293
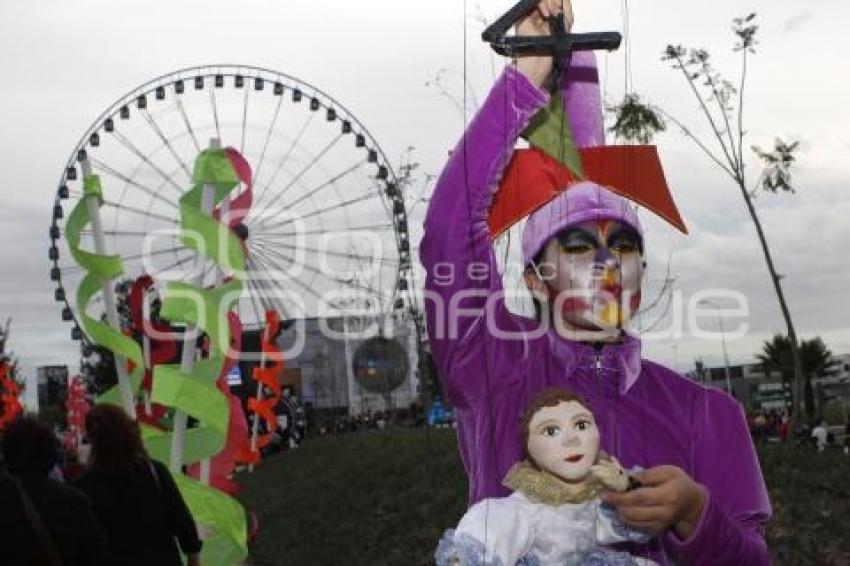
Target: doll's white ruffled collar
541, 486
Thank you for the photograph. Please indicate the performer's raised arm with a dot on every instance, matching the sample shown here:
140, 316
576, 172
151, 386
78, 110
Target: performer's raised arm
456, 249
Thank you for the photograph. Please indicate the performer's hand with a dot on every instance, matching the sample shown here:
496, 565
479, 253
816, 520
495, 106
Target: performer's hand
538, 67
667, 499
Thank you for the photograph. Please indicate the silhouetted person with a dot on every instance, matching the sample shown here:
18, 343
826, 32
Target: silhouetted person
43, 521
135, 498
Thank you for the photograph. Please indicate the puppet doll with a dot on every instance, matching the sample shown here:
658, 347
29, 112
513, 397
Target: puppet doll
554, 515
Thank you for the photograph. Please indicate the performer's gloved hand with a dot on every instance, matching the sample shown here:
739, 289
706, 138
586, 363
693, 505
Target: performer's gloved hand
667, 499
538, 67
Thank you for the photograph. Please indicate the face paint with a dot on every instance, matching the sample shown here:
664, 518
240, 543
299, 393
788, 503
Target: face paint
564, 440
593, 273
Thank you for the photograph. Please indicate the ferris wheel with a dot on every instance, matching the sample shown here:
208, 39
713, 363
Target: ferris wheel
327, 228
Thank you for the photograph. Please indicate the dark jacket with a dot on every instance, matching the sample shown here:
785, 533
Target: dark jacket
66, 515
143, 513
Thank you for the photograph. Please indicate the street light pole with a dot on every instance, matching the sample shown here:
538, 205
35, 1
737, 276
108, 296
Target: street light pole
723, 344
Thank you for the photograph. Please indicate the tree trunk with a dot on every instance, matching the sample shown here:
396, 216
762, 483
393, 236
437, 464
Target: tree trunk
797, 393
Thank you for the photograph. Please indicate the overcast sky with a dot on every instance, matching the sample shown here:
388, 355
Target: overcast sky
64, 62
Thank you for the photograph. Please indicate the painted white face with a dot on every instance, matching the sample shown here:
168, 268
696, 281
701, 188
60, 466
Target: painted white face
592, 274
564, 440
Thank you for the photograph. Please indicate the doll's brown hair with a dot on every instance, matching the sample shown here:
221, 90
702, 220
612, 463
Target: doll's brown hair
549, 397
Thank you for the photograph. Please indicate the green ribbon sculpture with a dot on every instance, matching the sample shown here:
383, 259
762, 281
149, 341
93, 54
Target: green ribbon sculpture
193, 393
100, 270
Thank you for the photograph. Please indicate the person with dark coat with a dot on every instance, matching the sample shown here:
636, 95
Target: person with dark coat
43, 521
135, 498
18, 542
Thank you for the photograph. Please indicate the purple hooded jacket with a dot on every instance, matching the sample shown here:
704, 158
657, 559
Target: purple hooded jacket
492, 362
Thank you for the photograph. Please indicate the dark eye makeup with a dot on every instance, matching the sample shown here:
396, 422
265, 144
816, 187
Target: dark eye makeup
625, 239
576, 240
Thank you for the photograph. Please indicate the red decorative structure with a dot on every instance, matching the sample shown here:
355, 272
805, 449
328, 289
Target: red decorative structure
78, 407
267, 376
223, 463
10, 405
158, 345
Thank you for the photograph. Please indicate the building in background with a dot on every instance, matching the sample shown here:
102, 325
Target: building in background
835, 390
353, 372
757, 390
52, 384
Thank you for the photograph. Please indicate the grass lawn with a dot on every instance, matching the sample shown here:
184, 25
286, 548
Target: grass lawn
386, 497
810, 493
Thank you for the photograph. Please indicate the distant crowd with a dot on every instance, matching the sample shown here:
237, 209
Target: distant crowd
774, 426
413, 416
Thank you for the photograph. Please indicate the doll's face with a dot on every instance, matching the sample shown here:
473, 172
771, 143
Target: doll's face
591, 274
564, 440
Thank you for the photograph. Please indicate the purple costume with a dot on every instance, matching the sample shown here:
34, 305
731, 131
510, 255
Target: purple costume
492, 362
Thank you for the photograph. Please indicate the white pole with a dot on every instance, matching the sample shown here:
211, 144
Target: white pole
146, 349
219, 278
187, 361
355, 397
109, 296
413, 368
256, 424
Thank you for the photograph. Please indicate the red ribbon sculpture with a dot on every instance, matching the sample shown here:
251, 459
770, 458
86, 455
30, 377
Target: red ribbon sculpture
159, 349
268, 376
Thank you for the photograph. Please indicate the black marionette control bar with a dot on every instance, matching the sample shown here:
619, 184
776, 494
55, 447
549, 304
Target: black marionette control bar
559, 43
